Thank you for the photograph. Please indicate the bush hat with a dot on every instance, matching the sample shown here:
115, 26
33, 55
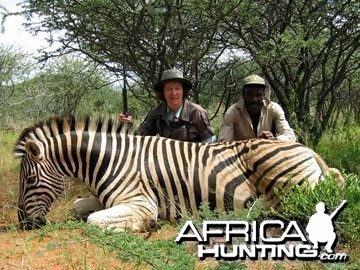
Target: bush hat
254, 79
172, 75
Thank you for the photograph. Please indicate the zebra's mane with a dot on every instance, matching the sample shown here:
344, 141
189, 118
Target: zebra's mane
57, 124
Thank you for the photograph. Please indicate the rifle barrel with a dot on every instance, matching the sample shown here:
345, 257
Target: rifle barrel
343, 203
124, 93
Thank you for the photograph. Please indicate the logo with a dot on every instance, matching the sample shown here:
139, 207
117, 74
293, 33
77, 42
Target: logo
234, 240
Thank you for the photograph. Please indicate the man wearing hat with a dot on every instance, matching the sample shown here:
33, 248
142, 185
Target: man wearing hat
255, 116
176, 117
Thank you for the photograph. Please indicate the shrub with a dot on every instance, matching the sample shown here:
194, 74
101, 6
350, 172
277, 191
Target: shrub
299, 204
341, 149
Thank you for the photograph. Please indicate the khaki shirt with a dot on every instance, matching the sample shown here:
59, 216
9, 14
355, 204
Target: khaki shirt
236, 123
192, 125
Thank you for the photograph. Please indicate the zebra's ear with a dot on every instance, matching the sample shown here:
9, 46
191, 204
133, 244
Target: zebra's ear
34, 149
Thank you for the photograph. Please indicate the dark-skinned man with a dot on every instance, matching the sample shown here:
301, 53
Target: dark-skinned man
255, 116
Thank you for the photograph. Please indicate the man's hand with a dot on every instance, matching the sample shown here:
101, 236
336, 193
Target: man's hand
267, 135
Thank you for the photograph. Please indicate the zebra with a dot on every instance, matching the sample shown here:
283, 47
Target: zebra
138, 179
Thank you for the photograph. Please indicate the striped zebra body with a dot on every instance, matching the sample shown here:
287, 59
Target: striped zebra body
137, 178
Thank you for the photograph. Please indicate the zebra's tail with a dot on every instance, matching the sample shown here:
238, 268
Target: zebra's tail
326, 170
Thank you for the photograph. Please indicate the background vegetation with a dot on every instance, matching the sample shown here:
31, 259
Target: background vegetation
307, 51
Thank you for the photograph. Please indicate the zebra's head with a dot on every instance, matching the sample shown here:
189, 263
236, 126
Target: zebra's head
40, 185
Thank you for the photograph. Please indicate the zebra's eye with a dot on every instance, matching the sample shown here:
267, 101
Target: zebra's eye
30, 180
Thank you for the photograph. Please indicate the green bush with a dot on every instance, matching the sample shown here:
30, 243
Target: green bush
300, 203
341, 149
7, 142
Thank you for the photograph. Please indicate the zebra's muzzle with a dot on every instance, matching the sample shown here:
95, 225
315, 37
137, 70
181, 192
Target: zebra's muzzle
29, 224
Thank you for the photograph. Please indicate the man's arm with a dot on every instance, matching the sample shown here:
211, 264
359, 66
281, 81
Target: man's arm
283, 129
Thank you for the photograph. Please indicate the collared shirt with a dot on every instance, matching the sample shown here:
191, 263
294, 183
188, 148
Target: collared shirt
192, 123
171, 116
237, 125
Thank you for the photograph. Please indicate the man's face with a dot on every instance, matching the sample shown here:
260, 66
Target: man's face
253, 98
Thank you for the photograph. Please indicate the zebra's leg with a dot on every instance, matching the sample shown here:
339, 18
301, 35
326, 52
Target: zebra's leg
135, 216
82, 208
